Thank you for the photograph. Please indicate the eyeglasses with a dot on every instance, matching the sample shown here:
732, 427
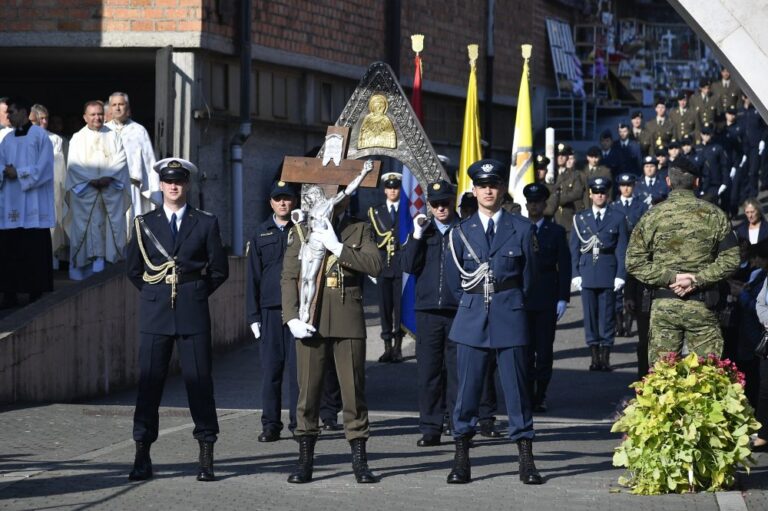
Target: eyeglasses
440, 203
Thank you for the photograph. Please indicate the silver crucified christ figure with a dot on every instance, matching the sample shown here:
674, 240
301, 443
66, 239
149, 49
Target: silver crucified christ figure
320, 210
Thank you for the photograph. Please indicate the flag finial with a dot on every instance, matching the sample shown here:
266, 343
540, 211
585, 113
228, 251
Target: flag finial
526, 50
417, 43
473, 50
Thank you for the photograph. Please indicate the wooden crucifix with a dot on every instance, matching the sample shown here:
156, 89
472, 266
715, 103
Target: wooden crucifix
325, 176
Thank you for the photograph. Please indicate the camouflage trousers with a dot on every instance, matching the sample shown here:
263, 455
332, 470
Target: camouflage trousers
674, 322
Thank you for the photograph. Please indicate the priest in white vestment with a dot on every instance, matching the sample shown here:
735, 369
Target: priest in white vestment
145, 184
97, 194
5, 124
26, 207
59, 241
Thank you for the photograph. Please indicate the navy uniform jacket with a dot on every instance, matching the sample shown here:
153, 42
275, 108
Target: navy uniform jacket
658, 192
632, 156
612, 234
265, 265
384, 223
753, 125
633, 212
614, 159
197, 249
553, 266
504, 324
715, 167
429, 258
732, 140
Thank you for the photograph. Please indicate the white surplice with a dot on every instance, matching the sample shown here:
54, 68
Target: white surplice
27, 201
96, 218
59, 238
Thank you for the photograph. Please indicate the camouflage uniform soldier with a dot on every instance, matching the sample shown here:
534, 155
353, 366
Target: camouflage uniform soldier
683, 247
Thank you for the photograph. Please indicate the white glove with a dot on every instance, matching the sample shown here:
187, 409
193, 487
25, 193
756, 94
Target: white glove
328, 238
256, 329
576, 283
618, 284
418, 228
733, 172
561, 306
372, 279
299, 329
649, 200
721, 189
743, 160
297, 216
550, 177
761, 147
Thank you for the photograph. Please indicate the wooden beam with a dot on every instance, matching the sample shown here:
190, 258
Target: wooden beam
303, 170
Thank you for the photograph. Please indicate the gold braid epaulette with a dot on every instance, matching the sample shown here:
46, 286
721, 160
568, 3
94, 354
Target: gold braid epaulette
162, 270
386, 236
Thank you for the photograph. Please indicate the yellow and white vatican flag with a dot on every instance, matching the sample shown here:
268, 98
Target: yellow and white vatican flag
470, 136
521, 172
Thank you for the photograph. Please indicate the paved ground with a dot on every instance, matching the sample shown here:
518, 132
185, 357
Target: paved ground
77, 456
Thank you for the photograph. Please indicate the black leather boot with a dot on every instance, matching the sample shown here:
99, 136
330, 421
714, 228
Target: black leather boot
595, 364
386, 357
605, 358
528, 472
487, 428
360, 462
397, 350
142, 464
539, 397
461, 473
303, 473
620, 324
205, 472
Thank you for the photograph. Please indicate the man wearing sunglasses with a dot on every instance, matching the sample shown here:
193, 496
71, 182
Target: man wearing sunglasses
598, 245
424, 255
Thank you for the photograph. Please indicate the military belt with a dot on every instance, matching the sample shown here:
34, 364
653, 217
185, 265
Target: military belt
333, 282
697, 296
183, 278
510, 283
607, 251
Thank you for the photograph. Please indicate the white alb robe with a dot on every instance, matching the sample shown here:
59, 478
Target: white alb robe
27, 201
96, 218
145, 183
59, 238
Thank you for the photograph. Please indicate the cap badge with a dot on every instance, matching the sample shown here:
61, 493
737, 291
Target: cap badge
436, 186
281, 183
174, 165
487, 167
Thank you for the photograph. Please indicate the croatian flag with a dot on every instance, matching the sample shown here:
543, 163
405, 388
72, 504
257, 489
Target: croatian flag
412, 202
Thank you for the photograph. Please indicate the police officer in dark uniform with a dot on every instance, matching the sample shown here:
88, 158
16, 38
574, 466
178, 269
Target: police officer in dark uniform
755, 133
264, 309
549, 298
425, 255
385, 222
650, 188
633, 209
176, 260
715, 168
732, 140
493, 251
598, 245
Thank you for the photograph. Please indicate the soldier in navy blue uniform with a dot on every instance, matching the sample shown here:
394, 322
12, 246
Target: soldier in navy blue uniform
611, 155
425, 255
264, 310
176, 260
755, 133
385, 221
712, 159
650, 188
633, 209
548, 299
632, 153
493, 251
732, 140
598, 245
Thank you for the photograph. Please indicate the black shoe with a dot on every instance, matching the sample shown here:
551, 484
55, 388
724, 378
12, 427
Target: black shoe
269, 435
488, 430
540, 407
386, 357
428, 441
605, 359
594, 350
528, 472
620, 332
142, 464
539, 396
397, 351
303, 473
331, 425
363, 474
461, 473
205, 473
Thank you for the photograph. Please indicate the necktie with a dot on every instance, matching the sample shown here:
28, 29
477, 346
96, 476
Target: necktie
598, 217
174, 229
626, 203
650, 182
489, 232
392, 213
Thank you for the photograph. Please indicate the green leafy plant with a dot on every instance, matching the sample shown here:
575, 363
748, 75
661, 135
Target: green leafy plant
687, 428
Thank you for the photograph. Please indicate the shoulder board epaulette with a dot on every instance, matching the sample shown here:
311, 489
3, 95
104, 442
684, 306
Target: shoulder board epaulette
205, 213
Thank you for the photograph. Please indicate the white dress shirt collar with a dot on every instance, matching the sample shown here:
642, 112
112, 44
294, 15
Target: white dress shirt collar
484, 220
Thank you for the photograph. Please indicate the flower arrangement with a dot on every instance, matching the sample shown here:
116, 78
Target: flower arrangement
687, 429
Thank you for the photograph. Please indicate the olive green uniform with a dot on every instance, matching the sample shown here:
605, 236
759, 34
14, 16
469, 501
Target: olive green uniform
340, 326
682, 235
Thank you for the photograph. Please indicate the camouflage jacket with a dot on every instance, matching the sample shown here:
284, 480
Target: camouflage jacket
682, 235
